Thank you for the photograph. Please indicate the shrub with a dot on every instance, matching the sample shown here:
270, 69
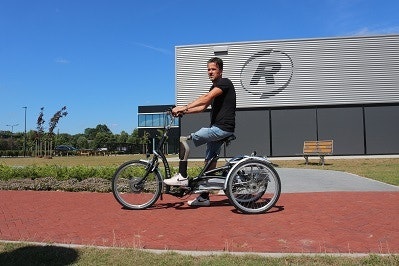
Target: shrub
52, 177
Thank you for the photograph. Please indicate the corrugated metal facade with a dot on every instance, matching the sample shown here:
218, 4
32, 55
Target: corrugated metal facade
345, 89
335, 71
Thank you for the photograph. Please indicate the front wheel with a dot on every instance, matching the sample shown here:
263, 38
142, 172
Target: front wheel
134, 187
253, 186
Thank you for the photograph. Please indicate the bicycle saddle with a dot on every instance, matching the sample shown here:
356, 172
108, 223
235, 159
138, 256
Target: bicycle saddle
229, 139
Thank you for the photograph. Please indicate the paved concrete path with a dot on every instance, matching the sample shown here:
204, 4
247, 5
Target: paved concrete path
318, 212
314, 180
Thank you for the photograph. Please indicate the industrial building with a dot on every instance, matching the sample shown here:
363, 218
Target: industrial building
342, 89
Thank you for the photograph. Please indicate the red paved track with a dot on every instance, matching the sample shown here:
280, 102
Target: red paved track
338, 222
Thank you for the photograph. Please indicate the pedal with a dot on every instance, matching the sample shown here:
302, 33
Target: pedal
180, 191
200, 191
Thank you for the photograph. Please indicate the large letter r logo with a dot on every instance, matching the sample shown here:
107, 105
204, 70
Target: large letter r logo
267, 70
267, 73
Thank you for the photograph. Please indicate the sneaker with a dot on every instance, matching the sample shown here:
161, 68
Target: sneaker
176, 180
221, 192
199, 201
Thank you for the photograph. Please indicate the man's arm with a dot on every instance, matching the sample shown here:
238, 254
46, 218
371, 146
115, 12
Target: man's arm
198, 105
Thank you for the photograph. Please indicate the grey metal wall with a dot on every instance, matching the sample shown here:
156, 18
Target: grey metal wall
308, 72
356, 130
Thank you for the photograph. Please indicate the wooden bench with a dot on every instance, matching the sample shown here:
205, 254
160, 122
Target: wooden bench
319, 148
86, 152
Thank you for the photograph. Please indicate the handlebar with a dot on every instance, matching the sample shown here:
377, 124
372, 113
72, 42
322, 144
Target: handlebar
169, 122
169, 110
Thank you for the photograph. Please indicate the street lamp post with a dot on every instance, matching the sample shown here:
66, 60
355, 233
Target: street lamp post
25, 107
12, 131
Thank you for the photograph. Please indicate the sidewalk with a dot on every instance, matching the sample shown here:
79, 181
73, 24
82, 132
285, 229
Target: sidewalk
302, 222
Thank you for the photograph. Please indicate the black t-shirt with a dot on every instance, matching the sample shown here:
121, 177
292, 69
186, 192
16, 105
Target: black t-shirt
223, 112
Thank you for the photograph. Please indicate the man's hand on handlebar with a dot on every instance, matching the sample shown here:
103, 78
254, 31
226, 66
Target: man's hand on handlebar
179, 111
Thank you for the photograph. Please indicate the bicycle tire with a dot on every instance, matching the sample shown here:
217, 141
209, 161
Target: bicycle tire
253, 186
131, 193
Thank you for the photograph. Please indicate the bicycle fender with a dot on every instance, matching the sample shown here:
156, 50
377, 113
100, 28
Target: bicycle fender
245, 158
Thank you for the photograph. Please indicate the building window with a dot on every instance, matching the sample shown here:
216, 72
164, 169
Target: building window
154, 120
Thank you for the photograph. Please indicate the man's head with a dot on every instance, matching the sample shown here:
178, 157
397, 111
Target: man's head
215, 68
217, 61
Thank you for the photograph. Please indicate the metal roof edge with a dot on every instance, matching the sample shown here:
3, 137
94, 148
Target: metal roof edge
287, 40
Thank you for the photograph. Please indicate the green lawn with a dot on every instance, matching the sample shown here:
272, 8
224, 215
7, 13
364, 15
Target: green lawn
24, 254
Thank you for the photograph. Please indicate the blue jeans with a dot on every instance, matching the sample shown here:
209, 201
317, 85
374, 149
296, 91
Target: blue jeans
213, 137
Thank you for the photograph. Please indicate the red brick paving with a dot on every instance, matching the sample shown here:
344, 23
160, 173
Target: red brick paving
334, 222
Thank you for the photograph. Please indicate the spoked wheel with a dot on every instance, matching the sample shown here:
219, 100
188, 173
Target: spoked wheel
132, 190
253, 186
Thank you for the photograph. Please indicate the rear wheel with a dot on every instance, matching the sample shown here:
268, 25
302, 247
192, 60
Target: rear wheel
133, 189
253, 186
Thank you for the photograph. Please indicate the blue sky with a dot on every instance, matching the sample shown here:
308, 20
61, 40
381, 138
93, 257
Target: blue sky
103, 58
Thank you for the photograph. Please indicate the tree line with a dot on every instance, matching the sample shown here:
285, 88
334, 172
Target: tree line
41, 143
12, 144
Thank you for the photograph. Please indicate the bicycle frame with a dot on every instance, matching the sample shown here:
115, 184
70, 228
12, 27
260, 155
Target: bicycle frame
159, 154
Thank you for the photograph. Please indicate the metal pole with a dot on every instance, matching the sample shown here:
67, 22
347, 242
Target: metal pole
25, 107
12, 131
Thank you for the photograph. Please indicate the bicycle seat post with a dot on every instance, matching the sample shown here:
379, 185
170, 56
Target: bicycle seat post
226, 142
224, 149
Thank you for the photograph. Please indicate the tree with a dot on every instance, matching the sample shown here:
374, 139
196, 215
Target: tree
144, 141
31, 141
63, 138
40, 132
101, 140
56, 117
103, 129
123, 137
52, 125
92, 132
48, 141
82, 142
134, 138
3, 144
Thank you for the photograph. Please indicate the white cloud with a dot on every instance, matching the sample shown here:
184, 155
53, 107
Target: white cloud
60, 60
163, 51
376, 31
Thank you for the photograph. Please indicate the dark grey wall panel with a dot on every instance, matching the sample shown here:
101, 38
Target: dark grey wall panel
382, 129
290, 128
253, 133
344, 126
